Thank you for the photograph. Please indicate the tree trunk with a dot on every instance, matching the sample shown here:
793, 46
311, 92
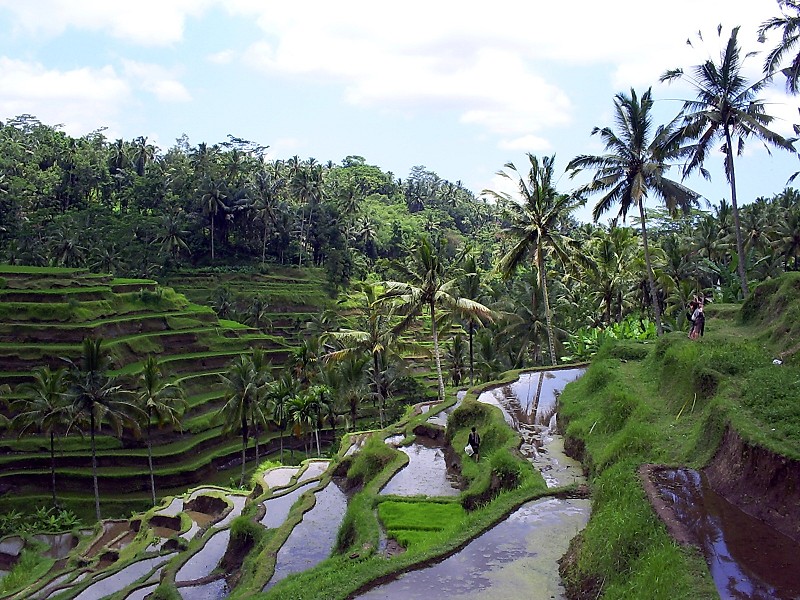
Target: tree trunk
650, 276
150, 459
471, 353
281, 445
548, 317
316, 435
376, 381
264, 244
53, 466
94, 471
436, 352
212, 237
244, 451
735, 210
538, 395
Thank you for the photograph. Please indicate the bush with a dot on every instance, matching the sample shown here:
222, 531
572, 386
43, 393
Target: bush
506, 468
370, 461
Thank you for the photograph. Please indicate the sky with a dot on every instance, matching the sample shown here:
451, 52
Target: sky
461, 88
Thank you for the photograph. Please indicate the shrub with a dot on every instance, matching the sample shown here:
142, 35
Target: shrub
370, 461
506, 468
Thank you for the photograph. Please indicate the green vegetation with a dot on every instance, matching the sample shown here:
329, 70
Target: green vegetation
672, 407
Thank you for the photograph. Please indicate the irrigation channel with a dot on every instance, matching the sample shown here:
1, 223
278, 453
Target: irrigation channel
517, 558
747, 558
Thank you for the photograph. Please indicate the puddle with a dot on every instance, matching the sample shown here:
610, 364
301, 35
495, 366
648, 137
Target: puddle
312, 540
747, 558
141, 593
536, 420
394, 440
115, 582
426, 472
173, 509
202, 563
515, 559
238, 505
214, 590
278, 507
280, 476
314, 469
440, 418
59, 544
357, 442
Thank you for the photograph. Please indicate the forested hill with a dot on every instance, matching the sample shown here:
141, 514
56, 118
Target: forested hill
128, 206
131, 209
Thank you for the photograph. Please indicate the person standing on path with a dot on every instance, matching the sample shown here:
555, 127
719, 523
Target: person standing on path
475, 442
699, 319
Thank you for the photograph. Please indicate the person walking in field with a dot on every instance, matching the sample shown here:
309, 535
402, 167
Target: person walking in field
475, 441
699, 320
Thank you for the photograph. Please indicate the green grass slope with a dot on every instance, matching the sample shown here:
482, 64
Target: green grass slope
671, 403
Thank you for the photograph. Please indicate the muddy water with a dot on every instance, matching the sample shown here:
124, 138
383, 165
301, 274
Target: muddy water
278, 507
529, 405
141, 593
215, 590
747, 559
201, 564
314, 469
515, 559
312, 540
425, 474
125, 577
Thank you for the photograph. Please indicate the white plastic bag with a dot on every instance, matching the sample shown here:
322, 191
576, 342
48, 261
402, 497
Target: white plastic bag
468, 449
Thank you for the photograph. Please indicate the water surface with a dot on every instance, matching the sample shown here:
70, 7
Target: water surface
515, 559
746, 557
426, 472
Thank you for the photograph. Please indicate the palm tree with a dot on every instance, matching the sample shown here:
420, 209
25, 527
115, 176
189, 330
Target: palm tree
727, 107
471, 287
280, 394
241, 395
44, 408
429, 285
161, 400
262, 370
214, 198
95, 398
373, 336
536, 226
634, 167
789, 25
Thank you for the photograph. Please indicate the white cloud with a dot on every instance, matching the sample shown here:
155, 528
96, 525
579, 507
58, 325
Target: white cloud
80, 99
224, 57
527, 143
146, 22
157, 80
486, 65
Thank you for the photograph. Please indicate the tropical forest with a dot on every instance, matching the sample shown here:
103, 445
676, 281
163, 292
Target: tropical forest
229, 375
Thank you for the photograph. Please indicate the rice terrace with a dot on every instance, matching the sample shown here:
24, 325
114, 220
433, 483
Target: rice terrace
226, 374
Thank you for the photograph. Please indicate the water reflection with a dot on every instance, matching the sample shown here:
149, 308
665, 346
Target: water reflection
747, 558
426, 472
515, 559
529, 405
203, 562
312, 540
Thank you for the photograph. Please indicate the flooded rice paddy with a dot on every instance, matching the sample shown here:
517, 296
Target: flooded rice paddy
425, 474
746, 557
312, 540
515, 559
203, 562
115, 582
277, 508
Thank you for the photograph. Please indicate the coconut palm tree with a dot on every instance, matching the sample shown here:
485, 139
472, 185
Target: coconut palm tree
262, 369
373, 336
789, 26
240, 397
727, 108
280, 393
536, 226
429, 285
95, 398
634, 168
161, 401
43, 408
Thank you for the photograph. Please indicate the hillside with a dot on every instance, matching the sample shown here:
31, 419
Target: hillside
44, 316
724, 405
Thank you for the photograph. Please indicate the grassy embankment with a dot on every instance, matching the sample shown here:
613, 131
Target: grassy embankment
670, 403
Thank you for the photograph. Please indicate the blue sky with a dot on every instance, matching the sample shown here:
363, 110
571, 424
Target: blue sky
460, 87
